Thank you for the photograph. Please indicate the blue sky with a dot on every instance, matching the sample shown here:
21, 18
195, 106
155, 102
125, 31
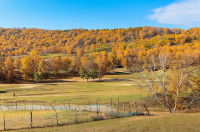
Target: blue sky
97, 14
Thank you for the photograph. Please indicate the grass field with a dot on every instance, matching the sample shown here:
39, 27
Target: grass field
42, 118
162, 122
76, 91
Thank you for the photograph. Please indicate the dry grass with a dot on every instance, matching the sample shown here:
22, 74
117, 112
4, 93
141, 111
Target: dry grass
163, 122
43, 118
77, 92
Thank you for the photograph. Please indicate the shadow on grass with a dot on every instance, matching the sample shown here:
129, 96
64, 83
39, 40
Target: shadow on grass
3, 91
50, 84
119, 73
113, 80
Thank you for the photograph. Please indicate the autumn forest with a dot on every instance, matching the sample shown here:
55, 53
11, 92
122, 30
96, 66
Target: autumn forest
92, 53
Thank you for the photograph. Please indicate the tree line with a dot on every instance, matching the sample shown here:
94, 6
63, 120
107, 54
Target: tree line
94, 63
16, 41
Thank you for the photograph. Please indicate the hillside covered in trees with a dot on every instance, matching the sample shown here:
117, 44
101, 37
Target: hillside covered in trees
93, 50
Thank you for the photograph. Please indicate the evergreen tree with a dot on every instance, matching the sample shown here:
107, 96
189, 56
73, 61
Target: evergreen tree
87, 76
37, 76
46, 75
82, 72
94, 74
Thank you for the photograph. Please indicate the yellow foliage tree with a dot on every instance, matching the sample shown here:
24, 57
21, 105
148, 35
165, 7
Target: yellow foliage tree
9, 69
66, 63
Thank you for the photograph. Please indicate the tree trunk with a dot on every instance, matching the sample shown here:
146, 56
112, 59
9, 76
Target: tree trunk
169, 109
174, 110
175, 104
99, 73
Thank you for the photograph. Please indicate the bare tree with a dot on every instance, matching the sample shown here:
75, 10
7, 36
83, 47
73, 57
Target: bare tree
159, 85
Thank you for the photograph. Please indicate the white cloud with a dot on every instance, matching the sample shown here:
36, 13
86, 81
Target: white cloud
181, 13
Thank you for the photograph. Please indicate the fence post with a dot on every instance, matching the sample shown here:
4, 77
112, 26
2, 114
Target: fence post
56, 119
4, 122
111, 104
89, 105
97, 110
60, 104
11, 104
99, 105
123, 107
55, 113
135, 107
24, 105
76, 116
31, 120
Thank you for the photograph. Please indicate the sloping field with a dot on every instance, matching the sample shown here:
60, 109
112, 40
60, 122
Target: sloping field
161, 122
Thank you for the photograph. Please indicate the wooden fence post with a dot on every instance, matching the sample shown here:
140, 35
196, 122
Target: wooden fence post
76, 116
97, 110
24, 105
60, 104
4, 122
99, 105
111, 104
56, 118
135, 107
31, 120
89, 106
56, 114
123, 107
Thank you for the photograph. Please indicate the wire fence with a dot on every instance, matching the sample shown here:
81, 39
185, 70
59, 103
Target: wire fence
18, 115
